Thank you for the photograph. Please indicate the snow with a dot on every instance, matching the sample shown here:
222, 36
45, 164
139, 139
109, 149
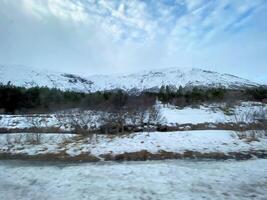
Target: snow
201, 141
30, 77
179, 142
28, 121
33, 143
170, 180
169, 76
192, 115
212, 113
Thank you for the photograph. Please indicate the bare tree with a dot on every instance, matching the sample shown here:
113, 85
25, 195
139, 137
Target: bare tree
36, 122
114, 121
80, 121
154, 117
258, 122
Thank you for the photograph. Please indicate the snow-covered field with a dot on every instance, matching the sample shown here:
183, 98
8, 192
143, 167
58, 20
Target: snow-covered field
159, 180
201, 141
213, 113
171, 115
204, 141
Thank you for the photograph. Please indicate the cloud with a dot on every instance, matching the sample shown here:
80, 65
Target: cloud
64, 10
187, 22
119, 35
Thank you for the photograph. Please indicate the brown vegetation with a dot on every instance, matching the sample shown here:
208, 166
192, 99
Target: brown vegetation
136, 156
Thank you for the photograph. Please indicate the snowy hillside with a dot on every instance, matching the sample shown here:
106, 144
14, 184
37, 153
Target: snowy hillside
147, 80
30, 77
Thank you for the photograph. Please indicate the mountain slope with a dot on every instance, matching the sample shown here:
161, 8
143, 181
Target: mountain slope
146, 80
172, 76
30, 77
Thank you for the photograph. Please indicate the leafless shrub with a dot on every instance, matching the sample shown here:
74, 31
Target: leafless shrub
130, 116
18, 138
258, 120
111, 123
154, 117
24, 138
8, 139
40, 124
129, 120
246, 116
35, 121
80, 121
114, 117
33, 138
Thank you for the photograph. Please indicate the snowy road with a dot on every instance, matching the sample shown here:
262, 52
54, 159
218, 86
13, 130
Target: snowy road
134, 180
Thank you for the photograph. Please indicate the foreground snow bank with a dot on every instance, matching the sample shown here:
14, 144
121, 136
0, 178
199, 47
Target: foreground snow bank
154, 142
170, 180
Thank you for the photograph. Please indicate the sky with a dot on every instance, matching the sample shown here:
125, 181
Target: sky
124, 36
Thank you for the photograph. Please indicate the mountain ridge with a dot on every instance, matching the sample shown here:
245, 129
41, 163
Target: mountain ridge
140, 81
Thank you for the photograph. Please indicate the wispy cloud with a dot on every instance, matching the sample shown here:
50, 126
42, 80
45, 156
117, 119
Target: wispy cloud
125, 31
187, 21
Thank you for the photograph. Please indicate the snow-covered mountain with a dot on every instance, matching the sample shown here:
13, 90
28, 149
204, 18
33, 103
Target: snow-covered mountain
146, 80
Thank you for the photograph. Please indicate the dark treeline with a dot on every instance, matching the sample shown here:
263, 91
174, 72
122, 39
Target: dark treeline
21, 100
258, 94
43, 100
184, 96
16, 100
